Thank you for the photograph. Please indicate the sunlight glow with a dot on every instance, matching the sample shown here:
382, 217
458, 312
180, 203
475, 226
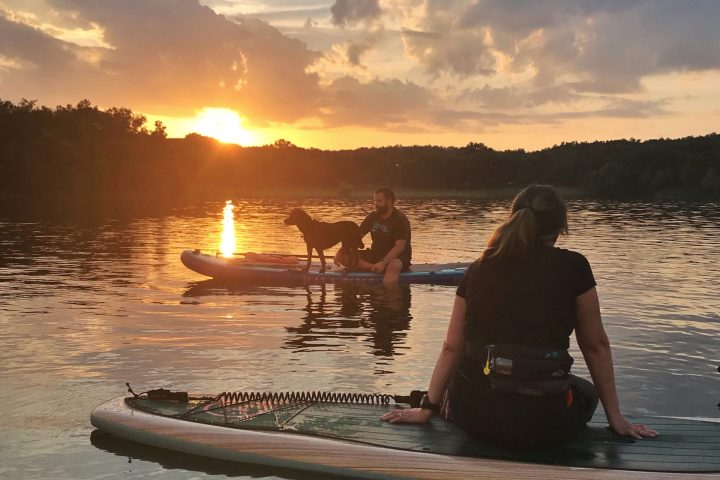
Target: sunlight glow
227, 242
222, 124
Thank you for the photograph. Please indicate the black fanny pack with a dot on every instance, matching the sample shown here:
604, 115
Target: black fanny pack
525, 370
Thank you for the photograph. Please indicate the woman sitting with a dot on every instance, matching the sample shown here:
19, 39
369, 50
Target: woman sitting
503, 372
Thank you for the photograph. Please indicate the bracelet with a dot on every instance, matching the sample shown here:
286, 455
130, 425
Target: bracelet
425, 404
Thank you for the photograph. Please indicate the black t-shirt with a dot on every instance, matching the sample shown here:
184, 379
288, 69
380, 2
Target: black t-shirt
525, 301
385, 232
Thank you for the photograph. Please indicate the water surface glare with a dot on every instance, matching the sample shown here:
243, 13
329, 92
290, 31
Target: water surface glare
86, 306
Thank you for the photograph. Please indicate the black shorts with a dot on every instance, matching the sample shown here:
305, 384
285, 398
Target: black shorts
518, 421
373, 257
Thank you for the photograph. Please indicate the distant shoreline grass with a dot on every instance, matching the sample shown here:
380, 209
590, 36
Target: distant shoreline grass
126, 204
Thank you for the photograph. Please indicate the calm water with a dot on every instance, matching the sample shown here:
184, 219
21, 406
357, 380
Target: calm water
87, 306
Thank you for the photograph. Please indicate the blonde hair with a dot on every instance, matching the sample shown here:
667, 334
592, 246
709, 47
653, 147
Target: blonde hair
538, 214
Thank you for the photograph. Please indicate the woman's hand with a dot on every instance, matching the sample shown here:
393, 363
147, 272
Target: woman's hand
407, 415
622, 426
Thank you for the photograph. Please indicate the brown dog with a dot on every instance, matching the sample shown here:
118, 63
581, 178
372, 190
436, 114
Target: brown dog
323, 235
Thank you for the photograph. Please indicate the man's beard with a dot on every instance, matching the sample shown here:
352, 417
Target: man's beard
382, 210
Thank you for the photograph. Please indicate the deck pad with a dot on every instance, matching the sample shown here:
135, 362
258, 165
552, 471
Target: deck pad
685, 445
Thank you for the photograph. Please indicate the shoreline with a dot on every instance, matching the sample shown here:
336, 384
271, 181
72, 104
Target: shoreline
156, 203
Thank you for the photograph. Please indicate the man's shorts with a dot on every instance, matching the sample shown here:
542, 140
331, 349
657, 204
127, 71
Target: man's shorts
372, 257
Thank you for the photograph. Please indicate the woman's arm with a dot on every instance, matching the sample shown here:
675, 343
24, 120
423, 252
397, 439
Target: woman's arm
595, 347
452, 351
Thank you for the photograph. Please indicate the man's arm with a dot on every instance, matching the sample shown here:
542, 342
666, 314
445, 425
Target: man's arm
366, 225
395, 251
401, 238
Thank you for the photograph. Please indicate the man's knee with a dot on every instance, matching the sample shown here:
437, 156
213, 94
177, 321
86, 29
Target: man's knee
395, 266
392, 271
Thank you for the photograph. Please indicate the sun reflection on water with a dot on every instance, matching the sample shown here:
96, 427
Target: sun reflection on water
227, 242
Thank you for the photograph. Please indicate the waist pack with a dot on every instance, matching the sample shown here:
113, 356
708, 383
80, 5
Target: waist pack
527, 370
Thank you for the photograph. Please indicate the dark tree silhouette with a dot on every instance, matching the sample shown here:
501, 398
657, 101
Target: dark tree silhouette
78, 152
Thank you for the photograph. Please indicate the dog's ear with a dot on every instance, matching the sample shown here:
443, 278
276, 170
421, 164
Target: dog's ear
301, 216
291, 218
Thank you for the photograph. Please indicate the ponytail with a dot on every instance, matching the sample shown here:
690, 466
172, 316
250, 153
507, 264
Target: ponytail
537, 213
516, 236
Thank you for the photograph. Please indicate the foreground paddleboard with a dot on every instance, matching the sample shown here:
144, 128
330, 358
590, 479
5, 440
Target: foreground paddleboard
350, 440
232, 269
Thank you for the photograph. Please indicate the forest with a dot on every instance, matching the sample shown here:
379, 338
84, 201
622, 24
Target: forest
81, 152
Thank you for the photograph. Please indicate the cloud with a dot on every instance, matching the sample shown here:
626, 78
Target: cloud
474, 120
437, 65
514, 98
167, 55
348, 12
41, 63
32, 47
600, 46
286, 19
464, 54
177, 57
471, 119
356, 50
620, 108
378, 103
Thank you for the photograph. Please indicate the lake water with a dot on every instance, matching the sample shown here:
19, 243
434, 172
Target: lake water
87, 306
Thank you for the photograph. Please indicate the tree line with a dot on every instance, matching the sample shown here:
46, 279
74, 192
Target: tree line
82, 152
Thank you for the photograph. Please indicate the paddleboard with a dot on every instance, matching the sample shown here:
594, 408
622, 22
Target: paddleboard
347, 438
267, 272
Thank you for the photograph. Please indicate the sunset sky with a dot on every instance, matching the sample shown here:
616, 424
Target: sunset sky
351, 73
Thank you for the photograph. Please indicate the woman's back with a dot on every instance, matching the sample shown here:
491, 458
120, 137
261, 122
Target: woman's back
529, 300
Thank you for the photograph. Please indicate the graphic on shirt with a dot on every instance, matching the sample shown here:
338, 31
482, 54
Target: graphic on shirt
380, 227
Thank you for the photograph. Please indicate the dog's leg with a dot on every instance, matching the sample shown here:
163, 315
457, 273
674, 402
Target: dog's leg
353, 258
321, 253
349, 255
309, 259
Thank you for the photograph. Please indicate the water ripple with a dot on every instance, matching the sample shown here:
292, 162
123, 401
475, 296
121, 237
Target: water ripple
88, 306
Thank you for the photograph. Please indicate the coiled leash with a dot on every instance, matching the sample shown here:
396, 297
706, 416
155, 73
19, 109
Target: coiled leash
271, 401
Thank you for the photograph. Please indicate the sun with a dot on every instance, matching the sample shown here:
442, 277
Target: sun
222, 124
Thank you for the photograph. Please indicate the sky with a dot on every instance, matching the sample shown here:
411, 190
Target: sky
351, 73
